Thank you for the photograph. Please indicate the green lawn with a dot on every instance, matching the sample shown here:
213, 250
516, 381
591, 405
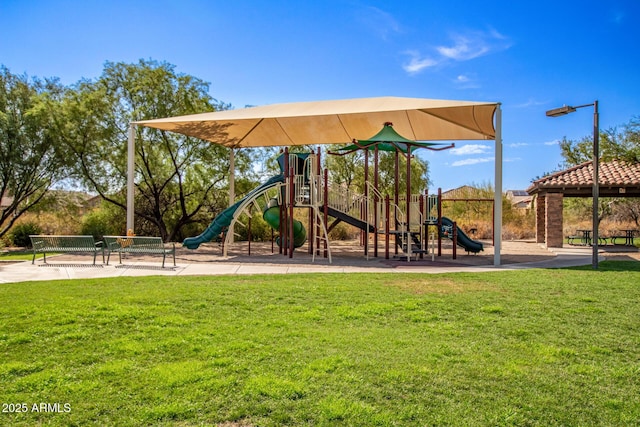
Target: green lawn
17, 256
534, 347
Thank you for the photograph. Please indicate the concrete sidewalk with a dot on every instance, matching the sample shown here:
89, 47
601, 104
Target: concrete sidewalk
196, 264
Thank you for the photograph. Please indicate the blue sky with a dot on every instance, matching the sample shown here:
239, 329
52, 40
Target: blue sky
529, 56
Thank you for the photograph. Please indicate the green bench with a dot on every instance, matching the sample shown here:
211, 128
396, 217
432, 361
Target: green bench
52, 244
139, 245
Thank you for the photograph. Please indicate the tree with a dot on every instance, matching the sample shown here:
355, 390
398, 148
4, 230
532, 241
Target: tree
179, 180
621, 144
614, 144
346, 170
30, 157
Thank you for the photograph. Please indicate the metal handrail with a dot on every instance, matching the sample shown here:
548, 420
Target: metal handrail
398, 214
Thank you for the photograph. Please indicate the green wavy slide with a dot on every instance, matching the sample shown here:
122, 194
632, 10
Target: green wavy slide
271, 215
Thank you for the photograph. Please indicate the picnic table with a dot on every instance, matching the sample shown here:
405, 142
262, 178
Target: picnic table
628, 237
583, 236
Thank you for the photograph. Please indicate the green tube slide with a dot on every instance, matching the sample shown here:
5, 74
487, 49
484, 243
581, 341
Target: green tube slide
272, 217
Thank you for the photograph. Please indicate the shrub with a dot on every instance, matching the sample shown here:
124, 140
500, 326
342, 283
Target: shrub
343, 231
260, 230
98, 223
20, 234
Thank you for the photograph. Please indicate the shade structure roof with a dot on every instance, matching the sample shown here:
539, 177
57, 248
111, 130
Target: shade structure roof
336, 122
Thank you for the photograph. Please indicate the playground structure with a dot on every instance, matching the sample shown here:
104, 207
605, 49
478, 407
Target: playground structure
406, 219
335, 122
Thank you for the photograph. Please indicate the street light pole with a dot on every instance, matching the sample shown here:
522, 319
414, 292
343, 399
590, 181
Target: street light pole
596, 186
595, 192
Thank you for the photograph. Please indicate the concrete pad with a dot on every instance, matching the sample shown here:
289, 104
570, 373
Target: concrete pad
209, 269
262, 269
208, 262
315, 269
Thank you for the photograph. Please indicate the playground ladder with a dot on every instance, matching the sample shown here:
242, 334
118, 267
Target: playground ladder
432, 209
410, 242
308, 192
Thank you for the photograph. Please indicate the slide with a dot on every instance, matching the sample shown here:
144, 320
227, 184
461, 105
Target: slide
349, 219
223, 220
272, 217
464, 241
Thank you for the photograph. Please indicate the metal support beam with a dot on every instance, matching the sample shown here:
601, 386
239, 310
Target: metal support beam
131, 166
232, 188
497, 213
596, 185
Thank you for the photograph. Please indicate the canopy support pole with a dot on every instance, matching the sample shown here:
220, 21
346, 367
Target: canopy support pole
497, 213
408, 203
376, 169
232, 188
131, 153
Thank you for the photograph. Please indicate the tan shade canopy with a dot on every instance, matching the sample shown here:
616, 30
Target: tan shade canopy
334, 122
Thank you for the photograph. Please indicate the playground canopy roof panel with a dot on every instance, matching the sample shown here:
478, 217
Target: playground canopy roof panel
336, 122
388, 140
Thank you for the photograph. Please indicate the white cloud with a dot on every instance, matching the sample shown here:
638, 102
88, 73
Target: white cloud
530, 103
518, 144
417, 63
464, 47
466, 82
378, 21
469, 149
555, 142
467, 162
616, 16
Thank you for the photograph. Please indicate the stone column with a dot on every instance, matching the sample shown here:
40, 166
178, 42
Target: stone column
540, 218
554, 237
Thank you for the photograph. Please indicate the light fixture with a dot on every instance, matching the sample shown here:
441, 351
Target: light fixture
566, 109
556, 112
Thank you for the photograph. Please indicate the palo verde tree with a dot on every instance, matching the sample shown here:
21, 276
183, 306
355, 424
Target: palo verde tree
178, 179
623, 143
30, 158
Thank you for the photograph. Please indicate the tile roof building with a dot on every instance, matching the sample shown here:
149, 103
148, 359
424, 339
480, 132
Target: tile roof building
616, 178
